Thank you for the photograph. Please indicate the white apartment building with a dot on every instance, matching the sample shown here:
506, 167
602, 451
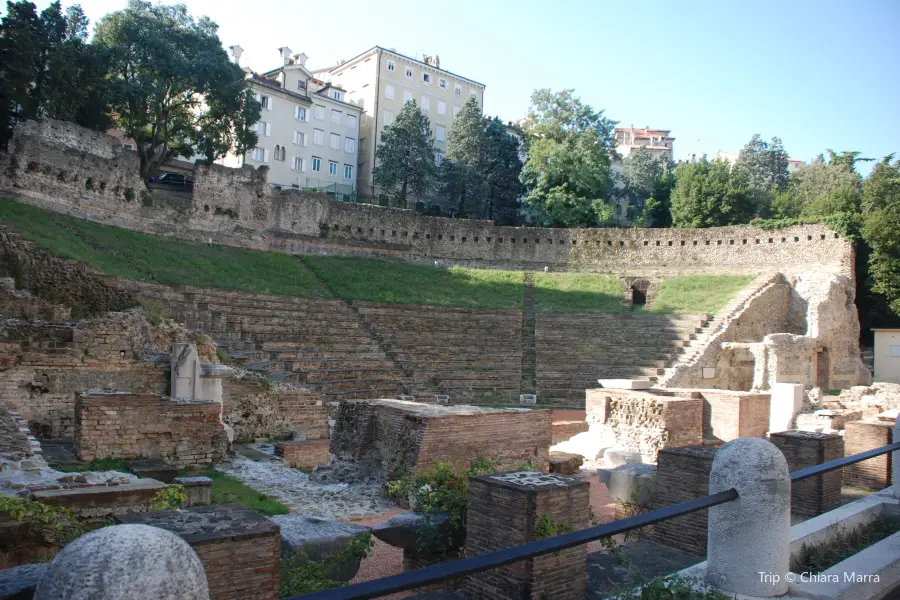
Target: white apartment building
308, 130
380, 81
658, 142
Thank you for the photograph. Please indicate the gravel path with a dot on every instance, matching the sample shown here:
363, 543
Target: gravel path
339, 501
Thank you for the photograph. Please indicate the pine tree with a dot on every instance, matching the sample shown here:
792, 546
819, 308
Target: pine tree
467, 149
406, 155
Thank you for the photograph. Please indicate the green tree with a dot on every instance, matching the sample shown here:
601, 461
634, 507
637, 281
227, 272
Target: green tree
822, 187
567, 171
170, 78
657, 209
766, 167
640, 178
881, 224
502, 169
406, 155
467, 150
711, 194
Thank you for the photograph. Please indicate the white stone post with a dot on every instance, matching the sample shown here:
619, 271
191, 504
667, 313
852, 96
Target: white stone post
748, 550
895, 461
786, 402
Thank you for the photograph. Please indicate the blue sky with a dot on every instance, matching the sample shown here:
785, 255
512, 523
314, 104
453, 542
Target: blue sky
817, 73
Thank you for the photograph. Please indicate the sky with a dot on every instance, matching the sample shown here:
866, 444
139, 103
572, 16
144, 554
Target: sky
816, 73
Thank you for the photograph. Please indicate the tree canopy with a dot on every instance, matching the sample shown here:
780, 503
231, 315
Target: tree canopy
821, 188
765, 165
711, 194
405, 155
567, 172
881, 228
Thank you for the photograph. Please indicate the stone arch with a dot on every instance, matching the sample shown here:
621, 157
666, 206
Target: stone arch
639, 291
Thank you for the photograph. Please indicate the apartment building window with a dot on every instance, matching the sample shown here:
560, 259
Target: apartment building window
457, 89
388, 117
279, 152
316, 163
455, 111
263, 128
264, 101
301, 84
348, 172
320, 112
259, 155
336, 116
351, 121
389, 92
426, 78
335, 141
407, 96
392, 66
442, 108
299, 138
298, 164
442, 83
439, 133
426, 103
300, 113
409, 72
336, 94
318, 137
349, 145
332, 167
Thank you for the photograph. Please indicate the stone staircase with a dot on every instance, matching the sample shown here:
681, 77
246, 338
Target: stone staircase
320, 343
573, 350
693, 351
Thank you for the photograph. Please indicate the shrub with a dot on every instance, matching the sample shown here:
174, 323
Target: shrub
57, 526
299, 575
169, 497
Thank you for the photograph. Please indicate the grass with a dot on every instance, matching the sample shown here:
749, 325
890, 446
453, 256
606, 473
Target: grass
142, 257
845, 544
228, 490
698, 294
372, 280
578, 292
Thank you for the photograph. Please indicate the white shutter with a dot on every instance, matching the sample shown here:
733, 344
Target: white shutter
266, 155
271, 99
258, 97
305, 140
268, 129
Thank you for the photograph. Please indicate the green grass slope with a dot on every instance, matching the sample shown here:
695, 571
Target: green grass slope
578, 292
698, 294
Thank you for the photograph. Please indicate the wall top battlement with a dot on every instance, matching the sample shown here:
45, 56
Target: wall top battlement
65, 168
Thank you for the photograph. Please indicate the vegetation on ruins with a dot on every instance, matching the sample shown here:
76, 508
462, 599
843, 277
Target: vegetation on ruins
169, 497
48, 70
406, 155
299, 575
846, 543
568, 167
55, 525
228, 490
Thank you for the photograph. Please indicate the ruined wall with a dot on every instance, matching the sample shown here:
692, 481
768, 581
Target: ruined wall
62, 167
256, 411
148, 426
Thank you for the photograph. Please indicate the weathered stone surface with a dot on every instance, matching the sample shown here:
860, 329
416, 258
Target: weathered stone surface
154, 468
125, 562
630, 483
565, 463
318, 538
198, 489
19, 583
406, 529
621, 456
826, 420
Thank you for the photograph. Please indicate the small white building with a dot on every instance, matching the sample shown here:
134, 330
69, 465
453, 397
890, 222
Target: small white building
887, 355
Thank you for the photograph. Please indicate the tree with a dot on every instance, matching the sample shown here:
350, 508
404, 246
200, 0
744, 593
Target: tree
766, 167
881, 224
173, 88
711, 194
466, 149
47, 69
641, 175
823, 187
568, 168
502, 169
657, 209
406, 154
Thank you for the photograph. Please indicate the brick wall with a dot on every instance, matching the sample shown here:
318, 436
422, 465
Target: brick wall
305, 454
147, 426
859, 436
802, 449
564, 430
254, 411
730, 415
502, 514
683, 474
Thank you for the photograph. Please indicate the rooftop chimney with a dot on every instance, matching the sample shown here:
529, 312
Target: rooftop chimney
236, 52
300, 59
285, 54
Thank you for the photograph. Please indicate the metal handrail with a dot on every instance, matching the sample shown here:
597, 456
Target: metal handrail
484, 562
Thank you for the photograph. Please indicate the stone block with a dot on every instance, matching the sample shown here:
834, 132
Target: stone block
103, 501
621, 456
307, 454
152, 468
803, 449
565, 463
406, 530
787, 401
318, 538
198, 489
527, 398
626, 384
20, 583
859, 436
630, 483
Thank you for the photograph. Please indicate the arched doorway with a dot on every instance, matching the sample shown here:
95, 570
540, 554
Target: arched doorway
639, 289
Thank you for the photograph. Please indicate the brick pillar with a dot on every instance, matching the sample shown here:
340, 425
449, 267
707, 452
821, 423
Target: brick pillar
860, 436
803, 449
503, 511
683, 474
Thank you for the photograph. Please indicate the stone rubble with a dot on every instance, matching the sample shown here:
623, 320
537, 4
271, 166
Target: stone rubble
340, 501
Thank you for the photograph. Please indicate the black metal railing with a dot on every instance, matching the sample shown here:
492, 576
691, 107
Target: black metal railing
452, 570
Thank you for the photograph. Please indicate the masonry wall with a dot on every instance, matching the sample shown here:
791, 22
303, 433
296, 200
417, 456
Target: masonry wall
682, 474
859, 436
63, 167
254, 411
147, 426
803, 449
730, 415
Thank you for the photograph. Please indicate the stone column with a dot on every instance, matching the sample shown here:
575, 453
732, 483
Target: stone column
749, 537
510, 509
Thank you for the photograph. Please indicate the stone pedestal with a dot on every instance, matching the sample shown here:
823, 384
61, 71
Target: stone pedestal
505, 510
787, 400
803, 449
198, 490
682, 474
859, 436
240, 549
303, 454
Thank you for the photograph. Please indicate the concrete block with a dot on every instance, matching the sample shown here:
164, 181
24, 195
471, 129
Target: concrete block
787, 401
629, 482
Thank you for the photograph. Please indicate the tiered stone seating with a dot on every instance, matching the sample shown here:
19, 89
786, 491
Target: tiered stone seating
316, 342
576, 349
468, 354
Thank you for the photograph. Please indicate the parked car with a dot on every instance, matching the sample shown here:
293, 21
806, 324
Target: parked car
173, 179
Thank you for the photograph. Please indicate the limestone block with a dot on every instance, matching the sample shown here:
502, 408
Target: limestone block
198, 489
318, 538
622, 456
787, 400
630, 482
565, 463
123, 562
626, 384
406, 530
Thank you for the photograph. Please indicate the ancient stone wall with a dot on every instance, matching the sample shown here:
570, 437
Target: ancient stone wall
147, 426
62, 167
682, 474
257, 411
803, 449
